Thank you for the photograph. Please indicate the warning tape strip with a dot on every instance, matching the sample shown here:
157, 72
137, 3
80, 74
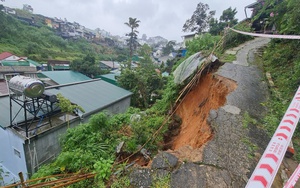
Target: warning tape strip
267, 35
266, 170
293, 179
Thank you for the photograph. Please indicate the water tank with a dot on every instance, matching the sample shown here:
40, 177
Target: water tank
26, 86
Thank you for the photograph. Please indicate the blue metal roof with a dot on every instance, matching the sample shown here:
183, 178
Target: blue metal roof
65, 77
92, 96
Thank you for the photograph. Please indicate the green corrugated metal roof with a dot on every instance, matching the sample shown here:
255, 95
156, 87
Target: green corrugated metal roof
92, 96
110, 78
34, 63
65, 77
15, 63
40, 75
57, 67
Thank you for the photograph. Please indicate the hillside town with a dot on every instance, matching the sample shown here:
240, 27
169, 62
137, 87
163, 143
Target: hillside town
81, 107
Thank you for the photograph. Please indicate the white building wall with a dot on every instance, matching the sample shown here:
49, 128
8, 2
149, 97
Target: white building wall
12, 157
12, 58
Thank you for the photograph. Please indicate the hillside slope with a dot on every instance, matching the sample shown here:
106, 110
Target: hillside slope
41, 43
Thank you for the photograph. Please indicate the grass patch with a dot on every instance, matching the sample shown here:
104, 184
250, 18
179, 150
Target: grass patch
251, 147
282, 61
248, 120
161, 182
227, 57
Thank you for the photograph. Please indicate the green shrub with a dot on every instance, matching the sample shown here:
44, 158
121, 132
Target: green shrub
205, 43
103, 169
233, 39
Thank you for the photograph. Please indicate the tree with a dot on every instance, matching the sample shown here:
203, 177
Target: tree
199, 21
86, 66
132, 41
169, 47
67, 107
228, 16
214, 26
142, 81
226, 19
286, 16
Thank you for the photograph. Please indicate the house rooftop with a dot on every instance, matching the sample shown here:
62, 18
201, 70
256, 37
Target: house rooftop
92, 95
58, 62
5, 55
189, 35
65, 77
34, 63
252, 5
110, 78
14, 63
111, 64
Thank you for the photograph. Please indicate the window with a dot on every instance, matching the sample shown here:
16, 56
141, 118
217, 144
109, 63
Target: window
17, 153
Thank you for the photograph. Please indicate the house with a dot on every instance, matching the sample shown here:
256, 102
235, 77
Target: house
9, 59
51, 78
158, 53
188, 37
8, 10
26, 20
181, 52
58, 65
262, 23
253, 7
28, 146
12, 64
7, 56
27, 8
110, 78
51, 23
109, 65
35, 64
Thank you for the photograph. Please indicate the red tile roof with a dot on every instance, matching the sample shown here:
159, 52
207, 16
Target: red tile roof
5, 55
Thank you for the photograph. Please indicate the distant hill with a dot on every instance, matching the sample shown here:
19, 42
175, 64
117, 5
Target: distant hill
41, 38
26, 34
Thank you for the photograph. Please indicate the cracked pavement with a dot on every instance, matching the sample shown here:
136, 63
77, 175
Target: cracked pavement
232, 145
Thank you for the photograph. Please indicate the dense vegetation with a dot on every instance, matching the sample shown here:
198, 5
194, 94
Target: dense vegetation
91, 147
282, 60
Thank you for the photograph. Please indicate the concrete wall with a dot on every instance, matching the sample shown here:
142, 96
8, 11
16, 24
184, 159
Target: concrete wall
119, 107
12, 156
44, 147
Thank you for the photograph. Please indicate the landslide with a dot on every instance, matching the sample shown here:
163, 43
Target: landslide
190, 130
210, 93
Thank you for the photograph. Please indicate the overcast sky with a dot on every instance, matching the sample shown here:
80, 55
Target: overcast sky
158, 17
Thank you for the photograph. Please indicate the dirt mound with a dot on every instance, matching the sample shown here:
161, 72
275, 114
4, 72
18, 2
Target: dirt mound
210, 93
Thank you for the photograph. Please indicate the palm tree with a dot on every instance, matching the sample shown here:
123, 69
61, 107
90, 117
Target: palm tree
132, 41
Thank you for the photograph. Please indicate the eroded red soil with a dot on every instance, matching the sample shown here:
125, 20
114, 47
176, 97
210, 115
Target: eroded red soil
210, 93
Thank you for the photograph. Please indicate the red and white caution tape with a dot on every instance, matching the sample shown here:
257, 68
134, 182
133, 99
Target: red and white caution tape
266, 170
267, 35
293, 179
